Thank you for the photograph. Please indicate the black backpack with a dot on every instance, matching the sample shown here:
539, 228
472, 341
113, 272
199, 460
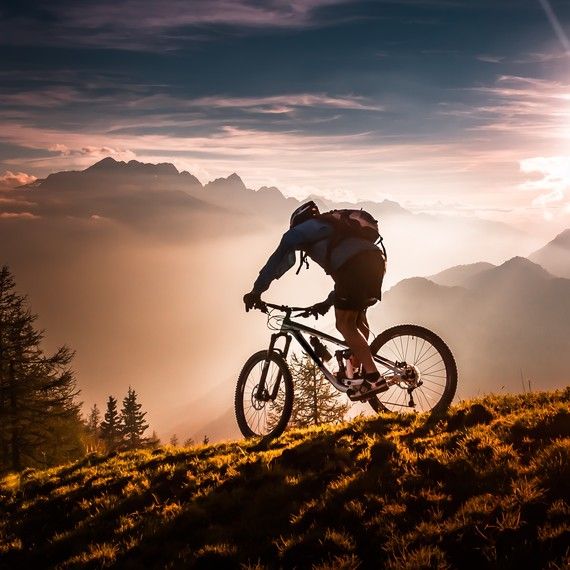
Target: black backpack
347, 224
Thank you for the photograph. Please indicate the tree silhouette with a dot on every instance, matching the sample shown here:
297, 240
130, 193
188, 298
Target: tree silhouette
133, 422
40, 421
93, 441
111, 428
94, 420
153, 441
316, 401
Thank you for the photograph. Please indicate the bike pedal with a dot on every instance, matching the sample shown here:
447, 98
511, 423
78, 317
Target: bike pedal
382, 387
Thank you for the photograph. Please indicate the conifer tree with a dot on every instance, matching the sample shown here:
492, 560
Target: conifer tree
153, 441
94, 420
93, 441
111, 428
40, 423
174, 440
316, 401
133, 422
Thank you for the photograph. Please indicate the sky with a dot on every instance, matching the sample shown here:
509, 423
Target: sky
443, 105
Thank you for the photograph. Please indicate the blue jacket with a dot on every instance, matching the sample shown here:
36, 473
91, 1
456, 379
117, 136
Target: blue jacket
313, 237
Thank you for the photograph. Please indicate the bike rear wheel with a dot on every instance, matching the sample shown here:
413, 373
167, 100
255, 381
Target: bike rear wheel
431, 358
261, 415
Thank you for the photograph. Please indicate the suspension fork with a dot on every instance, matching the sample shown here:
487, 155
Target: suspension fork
281, 352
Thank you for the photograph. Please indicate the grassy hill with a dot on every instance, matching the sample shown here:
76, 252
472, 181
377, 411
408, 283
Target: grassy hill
487, 486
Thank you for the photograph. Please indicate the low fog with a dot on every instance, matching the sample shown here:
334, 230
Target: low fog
144, 278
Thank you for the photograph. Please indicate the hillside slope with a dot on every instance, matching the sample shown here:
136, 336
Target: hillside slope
486, 486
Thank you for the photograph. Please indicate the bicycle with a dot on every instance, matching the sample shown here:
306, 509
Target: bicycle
264, 392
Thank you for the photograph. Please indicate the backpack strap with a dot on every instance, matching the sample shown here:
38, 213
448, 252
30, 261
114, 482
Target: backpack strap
380, 242
336, 237
302, 260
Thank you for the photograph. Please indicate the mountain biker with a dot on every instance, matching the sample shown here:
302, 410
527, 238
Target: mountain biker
357, 267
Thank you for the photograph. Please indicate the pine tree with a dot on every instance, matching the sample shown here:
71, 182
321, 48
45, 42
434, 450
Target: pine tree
189, 442
40, 423
153, 441
94, 420
92, 437
174, 440
133, 422
206, 440
111, 428
316, 401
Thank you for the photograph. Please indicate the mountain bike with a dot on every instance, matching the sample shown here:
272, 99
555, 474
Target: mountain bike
416, 364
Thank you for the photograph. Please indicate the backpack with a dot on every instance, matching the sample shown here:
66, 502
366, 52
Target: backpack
347, 224
352, 223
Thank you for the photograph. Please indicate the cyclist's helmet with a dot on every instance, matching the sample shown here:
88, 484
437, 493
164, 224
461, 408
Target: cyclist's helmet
303, 213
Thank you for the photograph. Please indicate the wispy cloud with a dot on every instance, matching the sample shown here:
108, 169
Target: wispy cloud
553, 183
525, 106
18, 216
147, 25
275, 103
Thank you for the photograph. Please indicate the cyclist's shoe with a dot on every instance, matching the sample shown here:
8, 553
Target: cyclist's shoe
342, 377
373, 384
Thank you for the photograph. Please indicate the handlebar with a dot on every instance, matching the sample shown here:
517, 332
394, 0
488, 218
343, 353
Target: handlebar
305, 311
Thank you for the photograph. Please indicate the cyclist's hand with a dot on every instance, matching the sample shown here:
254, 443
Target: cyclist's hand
320, 308
251, 300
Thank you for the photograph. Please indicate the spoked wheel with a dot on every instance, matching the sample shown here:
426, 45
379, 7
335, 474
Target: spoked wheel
264, 412
427, 380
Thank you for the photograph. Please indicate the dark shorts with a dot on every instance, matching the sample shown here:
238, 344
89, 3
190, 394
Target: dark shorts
358, 282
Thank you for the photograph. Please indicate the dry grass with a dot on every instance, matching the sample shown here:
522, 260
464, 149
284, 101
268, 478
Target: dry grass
486, 486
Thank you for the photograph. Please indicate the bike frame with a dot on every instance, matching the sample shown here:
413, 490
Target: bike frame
291, 329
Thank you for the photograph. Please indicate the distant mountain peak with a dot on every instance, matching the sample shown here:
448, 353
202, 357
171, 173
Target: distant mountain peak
517, 264
555, 255
562, 239
232, 180
109, 164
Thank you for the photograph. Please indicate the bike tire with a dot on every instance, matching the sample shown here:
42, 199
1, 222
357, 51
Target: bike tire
379, 402
240, 395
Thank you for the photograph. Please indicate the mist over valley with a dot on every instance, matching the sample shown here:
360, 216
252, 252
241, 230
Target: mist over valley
141, 269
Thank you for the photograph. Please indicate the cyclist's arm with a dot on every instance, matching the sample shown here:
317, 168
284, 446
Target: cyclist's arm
282, 259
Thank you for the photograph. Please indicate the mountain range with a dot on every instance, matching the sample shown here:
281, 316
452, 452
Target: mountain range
160, 200
141, 268
507, 324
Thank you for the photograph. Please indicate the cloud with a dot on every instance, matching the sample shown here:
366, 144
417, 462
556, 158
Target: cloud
92, 152
13, 179
527, 107
18, 216
554, 181
490, 58
147, 25
288, 101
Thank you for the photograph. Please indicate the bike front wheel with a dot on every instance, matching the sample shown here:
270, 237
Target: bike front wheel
265, 411
433, 362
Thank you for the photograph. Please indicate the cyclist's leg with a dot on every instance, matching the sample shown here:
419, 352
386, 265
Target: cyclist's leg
347, 323
357, 283
362, 326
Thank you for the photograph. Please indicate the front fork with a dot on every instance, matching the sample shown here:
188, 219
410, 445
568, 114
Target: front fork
261, 393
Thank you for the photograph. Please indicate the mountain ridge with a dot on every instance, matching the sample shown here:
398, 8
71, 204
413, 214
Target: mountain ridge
555, 255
